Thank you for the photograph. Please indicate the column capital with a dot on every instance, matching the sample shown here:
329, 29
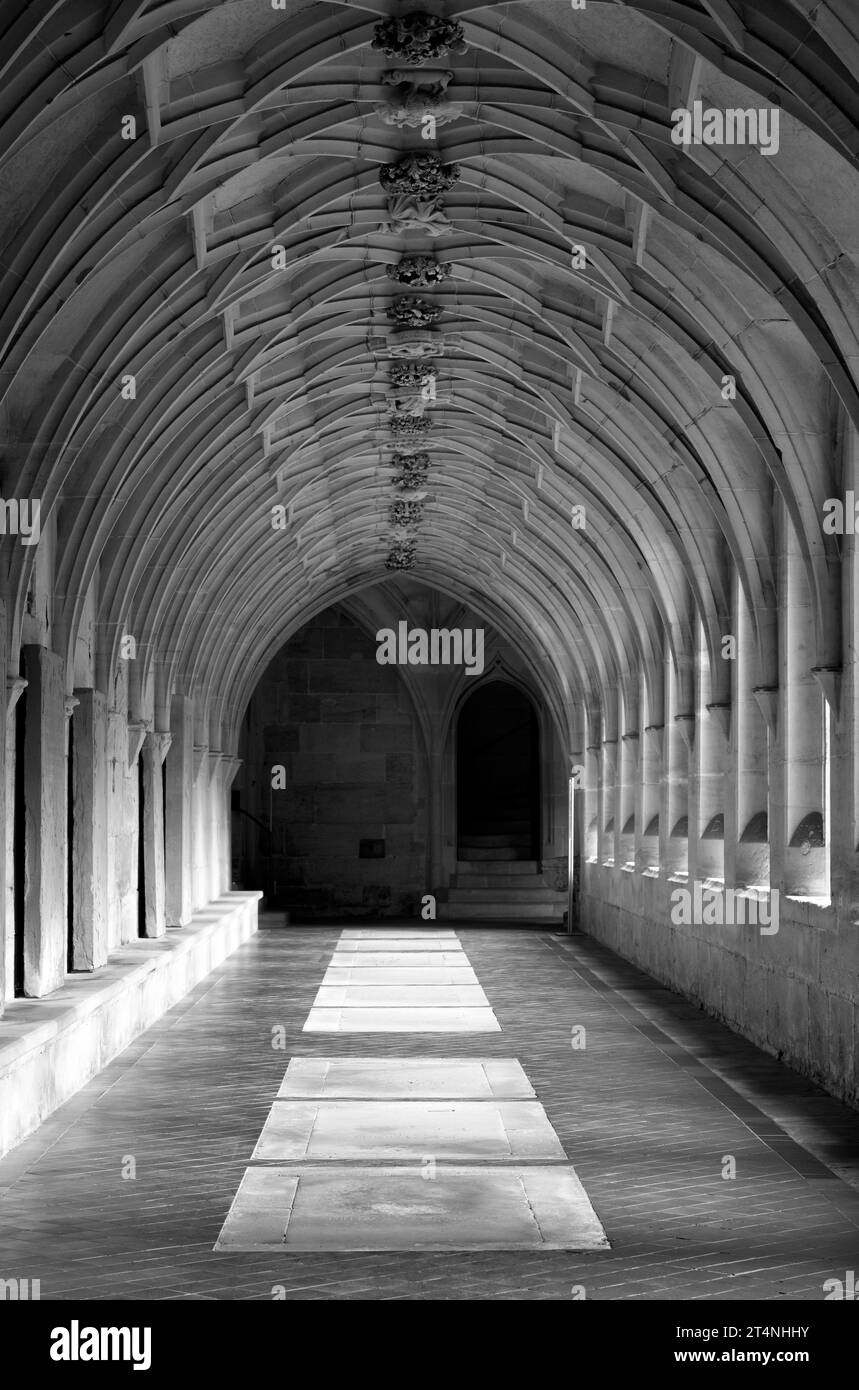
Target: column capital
654, 734
216, 765
721, 713
229, 769
201, 752
231, 766
70, 705
158, 743
829, 680
767, 698
686, 728
137, 731
15, 686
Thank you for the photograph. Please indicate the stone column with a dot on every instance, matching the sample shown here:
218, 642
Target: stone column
177, 814
201, 824
609, 833
845, 799
153, 753
748, 823
678, 741
45, 800
593, 782
89, 944
70, 704
647, 845
608, 823
15, 687
229, 769
7, 904
628, 770
215, 872
805, 855
576, 822
713, 752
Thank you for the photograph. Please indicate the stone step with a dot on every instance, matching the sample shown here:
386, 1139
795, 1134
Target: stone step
516, 828
537, 893
494, 841
500, 882
499, 853
499, 912
495, 869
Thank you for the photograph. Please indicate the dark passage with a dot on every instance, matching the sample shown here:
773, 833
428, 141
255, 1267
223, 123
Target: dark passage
498, 779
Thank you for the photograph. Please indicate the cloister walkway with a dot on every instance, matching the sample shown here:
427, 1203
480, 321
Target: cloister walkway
124, 1191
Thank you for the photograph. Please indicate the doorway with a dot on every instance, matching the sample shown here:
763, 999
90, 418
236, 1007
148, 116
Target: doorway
498, 775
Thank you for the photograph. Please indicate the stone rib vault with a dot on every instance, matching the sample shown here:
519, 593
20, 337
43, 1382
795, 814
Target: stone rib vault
320, 307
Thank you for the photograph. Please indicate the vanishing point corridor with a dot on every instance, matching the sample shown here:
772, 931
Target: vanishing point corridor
648, 1111
429, 616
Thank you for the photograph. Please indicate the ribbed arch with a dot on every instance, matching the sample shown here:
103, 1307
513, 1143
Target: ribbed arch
560, 386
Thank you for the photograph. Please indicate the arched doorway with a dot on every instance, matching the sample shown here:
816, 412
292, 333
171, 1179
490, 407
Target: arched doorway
497, 775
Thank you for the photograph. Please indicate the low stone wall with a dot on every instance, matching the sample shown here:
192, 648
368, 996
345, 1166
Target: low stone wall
51, 1047
793, 992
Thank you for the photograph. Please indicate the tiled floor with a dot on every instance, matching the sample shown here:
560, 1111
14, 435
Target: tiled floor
388, 1154
652, 1111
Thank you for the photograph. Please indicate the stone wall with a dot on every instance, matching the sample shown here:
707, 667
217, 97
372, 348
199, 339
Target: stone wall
343, 729
791, 992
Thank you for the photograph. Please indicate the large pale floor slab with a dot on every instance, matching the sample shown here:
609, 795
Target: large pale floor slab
403, 1129
387, 959
327, 1207
400, 934
403, 944
327, 1171
405, 1078
399, 975
400, 996
412, 1020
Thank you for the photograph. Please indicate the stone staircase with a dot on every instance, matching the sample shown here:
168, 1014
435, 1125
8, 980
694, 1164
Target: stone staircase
495, 881
501, 840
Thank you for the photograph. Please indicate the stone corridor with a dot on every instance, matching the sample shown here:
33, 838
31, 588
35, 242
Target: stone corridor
648, 1096
429, 462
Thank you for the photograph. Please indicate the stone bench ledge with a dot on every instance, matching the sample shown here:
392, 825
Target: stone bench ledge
51, 1047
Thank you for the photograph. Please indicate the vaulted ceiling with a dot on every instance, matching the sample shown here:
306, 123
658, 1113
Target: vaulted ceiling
244, 480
